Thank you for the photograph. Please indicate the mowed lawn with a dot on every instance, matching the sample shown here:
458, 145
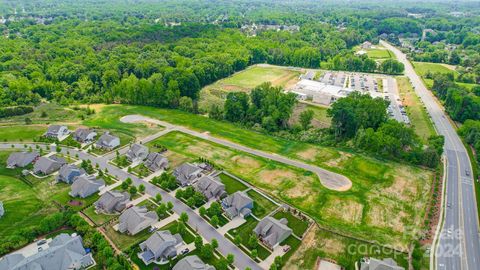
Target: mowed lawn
256, 75
379, 54
419, 118
26, 205
423, 68
246, 80
18, 133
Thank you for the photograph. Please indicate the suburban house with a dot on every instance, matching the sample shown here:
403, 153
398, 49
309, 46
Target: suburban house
366, 45
63, 252
56, 132
237, 204
159, 247
107, 141
112, 201
376, 264
21, 159
85, 185
192, 263
2, 210
68, 173
156, 161
84, 135
48, 165
210, 187
272, 231
186, 174
137, 152
135, 219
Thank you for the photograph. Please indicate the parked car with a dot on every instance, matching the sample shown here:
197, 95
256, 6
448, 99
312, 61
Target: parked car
41, 242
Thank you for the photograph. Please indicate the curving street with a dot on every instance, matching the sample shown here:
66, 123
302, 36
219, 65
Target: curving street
459, 240
329, 179
225, 247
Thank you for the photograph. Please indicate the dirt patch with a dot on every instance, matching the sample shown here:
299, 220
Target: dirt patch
97, 107
407, 183
337, 161
310, 154
206, 150
275, 177
231, 88
345, 209
314, 240
385, 215
244, 161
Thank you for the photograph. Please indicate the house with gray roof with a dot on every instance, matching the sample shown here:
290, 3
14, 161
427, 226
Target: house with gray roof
160, 247
2, 210
192, 263
137, 153
56, 131
237, 204
48, 165
156, 161
272, 231
210, 187
135, 219
84, 135
107, 141
21, 159
64, 252
85, 185
112, 201
186, 174
69, 172
376, 264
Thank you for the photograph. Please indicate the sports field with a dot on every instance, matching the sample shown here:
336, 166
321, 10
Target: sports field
246, 80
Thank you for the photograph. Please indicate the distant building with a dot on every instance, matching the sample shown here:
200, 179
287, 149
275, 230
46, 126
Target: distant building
310, 75
160, 247
272, 231
21, 159
112, 201
86, 185
237, 204
64, 252
48, 165
210, 187
192, 263
156, 161
135, 219
84, 135
186, 174
137, 153
56, 132
366, 45
376, 264
68, 173
107, 141
2, 210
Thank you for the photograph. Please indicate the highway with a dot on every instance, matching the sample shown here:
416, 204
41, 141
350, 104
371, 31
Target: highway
459, 240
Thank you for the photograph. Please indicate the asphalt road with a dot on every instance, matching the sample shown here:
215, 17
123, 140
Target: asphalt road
329, 179
225, 247
459, 245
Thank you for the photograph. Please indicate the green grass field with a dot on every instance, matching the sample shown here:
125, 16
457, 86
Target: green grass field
379, 54
26, 204
417, 114
261, 206
124, 241
98, 219
297, 225
21, 132
320, 118
422, 68
231, 185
